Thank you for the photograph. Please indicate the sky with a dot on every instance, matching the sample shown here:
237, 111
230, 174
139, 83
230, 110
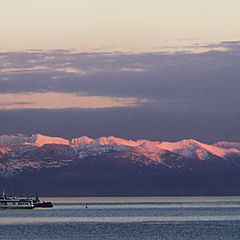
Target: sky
136, 25
162, 70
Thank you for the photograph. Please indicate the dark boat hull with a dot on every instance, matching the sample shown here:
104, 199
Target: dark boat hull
43, 205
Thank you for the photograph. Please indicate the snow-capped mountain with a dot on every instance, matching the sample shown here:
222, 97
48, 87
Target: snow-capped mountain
189, 148
17, 145
116, 158
35, 139
194, 149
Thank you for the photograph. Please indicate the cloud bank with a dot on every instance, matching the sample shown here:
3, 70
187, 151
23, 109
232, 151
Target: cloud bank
196, 88
204, 81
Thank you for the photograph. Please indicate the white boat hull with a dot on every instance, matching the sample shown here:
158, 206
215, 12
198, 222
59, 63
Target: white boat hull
16, 204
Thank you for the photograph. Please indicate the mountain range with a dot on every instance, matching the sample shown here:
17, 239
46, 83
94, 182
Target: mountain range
115, 166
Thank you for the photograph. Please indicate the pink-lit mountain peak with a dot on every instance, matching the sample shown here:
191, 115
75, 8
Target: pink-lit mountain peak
192, 148
40, 140
35, 139
103, 141
188, 147
84, 140
150, 150
151, 146
115, 141
185, 143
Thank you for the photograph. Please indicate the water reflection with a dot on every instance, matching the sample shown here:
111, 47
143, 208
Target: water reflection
128, 210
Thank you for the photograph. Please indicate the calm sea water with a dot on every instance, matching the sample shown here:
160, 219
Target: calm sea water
141, 218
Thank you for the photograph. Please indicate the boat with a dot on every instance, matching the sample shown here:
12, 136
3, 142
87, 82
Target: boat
22, 203
14, 203
37, 203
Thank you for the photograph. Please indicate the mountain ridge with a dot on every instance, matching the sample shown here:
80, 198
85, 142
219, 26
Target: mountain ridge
220, 148
108, 162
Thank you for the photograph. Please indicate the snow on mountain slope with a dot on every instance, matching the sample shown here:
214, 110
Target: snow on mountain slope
102, 143
228, 145
142, 141
85, 146
35, 139
13, 139
40, 140
150, 150
84, 140
5, 148
115, 141
18, 153
193, 148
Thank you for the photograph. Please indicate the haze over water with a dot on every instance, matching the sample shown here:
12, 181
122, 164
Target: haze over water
139, 218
